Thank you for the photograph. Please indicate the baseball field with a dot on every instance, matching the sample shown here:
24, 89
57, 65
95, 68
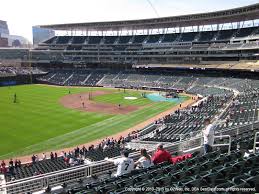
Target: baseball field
43, 118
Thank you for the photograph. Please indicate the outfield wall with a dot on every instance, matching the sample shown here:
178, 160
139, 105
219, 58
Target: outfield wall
17, 80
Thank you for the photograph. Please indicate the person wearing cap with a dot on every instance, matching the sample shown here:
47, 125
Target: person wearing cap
124, 164
208, 136
161, 155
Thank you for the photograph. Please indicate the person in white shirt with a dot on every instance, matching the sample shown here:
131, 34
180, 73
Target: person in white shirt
71, 161
208, 136
124, 164
44, 157
105, 146
144, 161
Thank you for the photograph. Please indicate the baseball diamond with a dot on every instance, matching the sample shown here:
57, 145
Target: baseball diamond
45, 115
126, 105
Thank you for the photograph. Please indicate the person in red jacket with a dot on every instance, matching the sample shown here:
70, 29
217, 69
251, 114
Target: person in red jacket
161, 155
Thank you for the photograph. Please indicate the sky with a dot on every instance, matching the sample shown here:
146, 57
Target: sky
21, 15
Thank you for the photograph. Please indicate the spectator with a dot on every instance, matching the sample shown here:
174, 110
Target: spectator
51, 155
33, 158
76, 151
71, 161
63, 155
66, 160
16, 163
84, 150
11, 169
106, 146
11, 162
208, 136
124, 164
43, 156
3, 163
145, 160
19, 163
56, 155
161, 155
3, 168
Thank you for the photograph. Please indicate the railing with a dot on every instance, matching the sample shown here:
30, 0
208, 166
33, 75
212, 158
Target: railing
2, 182
224, 144
51, 179
255, 141
197, 143
236, 130
39, 182
148, 134
192, 144
148, 145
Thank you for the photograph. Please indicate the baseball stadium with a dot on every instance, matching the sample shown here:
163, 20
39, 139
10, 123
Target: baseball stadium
160, 106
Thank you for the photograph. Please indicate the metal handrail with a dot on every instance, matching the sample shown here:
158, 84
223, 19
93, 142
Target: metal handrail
255, 142
194, 148
214, 145
225, 144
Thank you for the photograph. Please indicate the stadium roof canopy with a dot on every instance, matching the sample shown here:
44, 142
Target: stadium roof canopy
250, 12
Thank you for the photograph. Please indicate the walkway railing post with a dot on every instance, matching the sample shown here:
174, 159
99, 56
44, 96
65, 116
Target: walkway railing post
255, 141
224, 144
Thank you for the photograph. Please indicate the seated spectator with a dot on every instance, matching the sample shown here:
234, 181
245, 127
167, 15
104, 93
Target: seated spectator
66, 160
71, 161
161, 155
3, 168
145, 160
11, 170
3, 163
124, 164
106, 146
11, 162
91, 147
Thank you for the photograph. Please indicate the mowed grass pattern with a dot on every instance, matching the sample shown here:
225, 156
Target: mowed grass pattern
39, 123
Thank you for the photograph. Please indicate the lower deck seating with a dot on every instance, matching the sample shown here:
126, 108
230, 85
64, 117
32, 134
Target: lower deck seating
189, 120
214, 170
195, 84
100, 154
40, 167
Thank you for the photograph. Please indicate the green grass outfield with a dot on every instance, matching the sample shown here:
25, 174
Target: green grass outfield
39, 123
